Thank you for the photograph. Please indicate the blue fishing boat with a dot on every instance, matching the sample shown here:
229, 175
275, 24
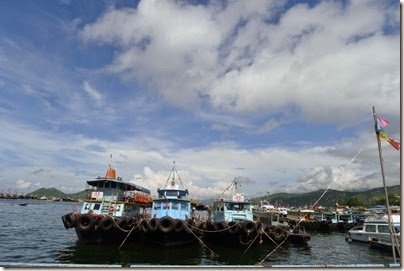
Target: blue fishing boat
231, 220
172, 221
111, 210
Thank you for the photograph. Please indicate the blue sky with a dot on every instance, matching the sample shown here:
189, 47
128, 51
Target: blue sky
277, 94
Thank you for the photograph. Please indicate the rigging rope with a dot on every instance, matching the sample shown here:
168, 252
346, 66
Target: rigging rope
339, 175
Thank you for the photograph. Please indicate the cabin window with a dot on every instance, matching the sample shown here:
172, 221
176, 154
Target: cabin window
171, 193
371, 228
157, 206
97, 206
100, 184
384, 228
106, 184
175, 205
166, 206
113, 185
184, 206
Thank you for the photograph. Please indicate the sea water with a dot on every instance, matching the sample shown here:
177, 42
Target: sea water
34, 234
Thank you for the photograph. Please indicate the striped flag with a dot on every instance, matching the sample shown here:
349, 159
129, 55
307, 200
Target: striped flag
392, 141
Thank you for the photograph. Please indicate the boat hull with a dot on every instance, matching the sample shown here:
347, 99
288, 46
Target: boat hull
359, 235
169, 232
102, 229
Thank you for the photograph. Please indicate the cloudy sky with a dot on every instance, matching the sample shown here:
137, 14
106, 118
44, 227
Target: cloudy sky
277, 94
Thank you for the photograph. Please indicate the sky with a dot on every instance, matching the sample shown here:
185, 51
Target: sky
277, 95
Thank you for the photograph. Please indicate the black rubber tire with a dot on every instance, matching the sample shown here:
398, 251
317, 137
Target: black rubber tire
154, 224
85, 222
70, 220
144, 226
166, 224
106, 223
178, 225
248, 226
234, 227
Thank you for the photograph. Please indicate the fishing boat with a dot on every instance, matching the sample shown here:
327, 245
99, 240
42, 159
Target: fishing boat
111, 210
381, 231
231, 222
376, 226
172, 221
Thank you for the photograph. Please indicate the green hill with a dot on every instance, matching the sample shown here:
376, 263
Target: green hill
48, 192
55, 193
369, 197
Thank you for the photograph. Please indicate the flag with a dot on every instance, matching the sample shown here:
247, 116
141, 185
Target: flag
392, 141
380, 123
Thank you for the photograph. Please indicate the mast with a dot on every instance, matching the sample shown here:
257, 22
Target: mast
384, 185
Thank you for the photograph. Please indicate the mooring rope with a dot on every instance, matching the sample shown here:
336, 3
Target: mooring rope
275, 249
200, 241
113, 219
259, 233
133, 228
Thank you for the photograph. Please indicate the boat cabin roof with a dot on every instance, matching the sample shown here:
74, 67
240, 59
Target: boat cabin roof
119, 184
168, 192
218, 202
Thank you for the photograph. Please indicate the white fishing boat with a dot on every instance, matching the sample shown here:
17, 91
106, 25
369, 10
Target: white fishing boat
377, 227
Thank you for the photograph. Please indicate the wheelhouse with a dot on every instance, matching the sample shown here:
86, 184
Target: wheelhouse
234, 210
111, 195
172, 200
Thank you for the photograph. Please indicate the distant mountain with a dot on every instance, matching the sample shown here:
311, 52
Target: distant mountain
55, 193
331, 197
48, 192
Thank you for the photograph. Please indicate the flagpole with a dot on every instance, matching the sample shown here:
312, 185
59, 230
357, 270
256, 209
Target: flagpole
384, 185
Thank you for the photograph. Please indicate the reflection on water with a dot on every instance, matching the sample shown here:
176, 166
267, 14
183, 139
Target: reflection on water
130, 254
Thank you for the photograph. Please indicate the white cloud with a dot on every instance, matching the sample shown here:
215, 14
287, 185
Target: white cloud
93, 93
323, 60
234, 65
21, 184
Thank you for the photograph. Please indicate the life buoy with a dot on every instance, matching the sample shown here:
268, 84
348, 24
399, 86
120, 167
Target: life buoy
153, 224
248, 226
234, 227
166, 224
178, 226
106, 223
85, 222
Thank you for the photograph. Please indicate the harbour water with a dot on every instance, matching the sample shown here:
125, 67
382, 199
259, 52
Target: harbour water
34, 234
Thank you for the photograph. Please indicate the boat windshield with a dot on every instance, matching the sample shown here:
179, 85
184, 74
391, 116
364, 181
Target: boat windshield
237, 206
